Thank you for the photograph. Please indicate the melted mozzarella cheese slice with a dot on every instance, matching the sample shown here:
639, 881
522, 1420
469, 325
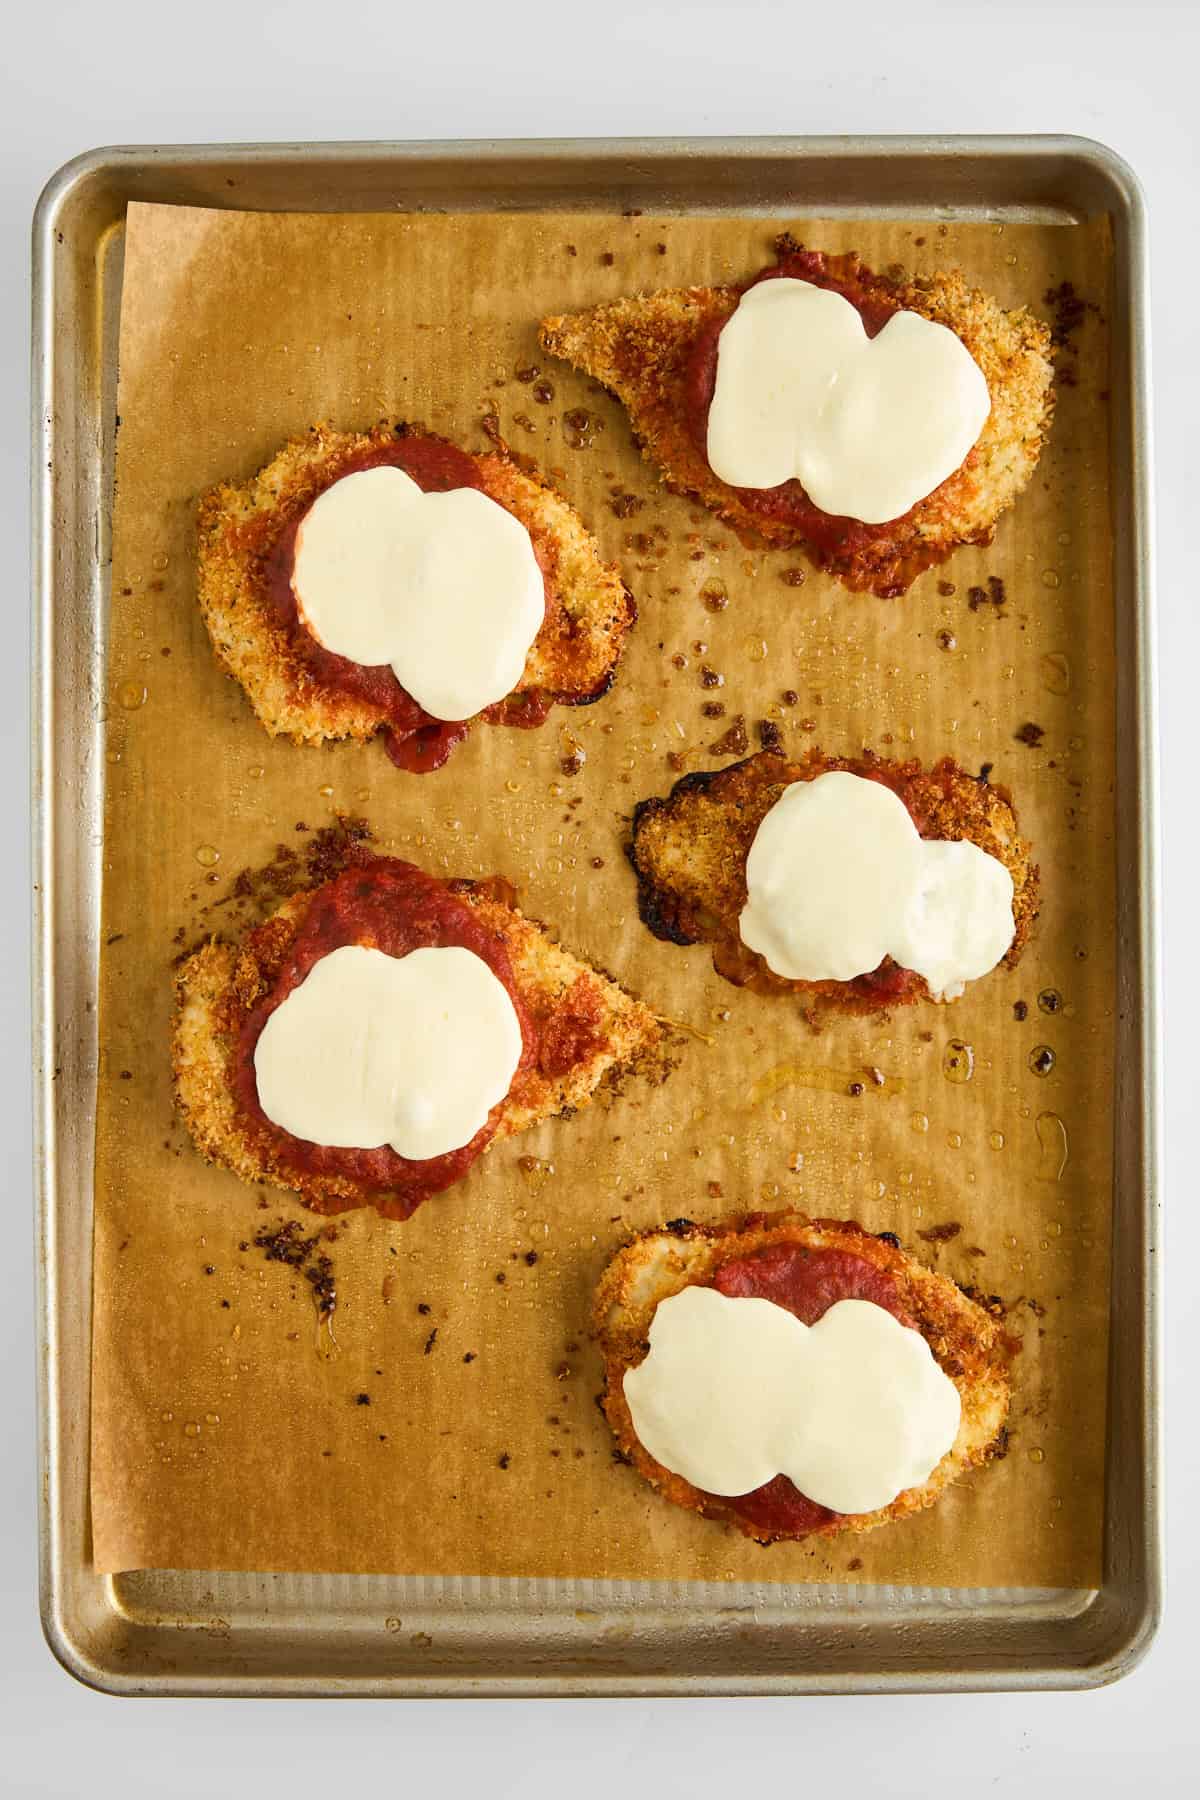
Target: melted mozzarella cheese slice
371, 1050
735, 1391
444, 587
868, 426
838, 877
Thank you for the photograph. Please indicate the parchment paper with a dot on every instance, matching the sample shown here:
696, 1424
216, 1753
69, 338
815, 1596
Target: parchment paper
227, 1432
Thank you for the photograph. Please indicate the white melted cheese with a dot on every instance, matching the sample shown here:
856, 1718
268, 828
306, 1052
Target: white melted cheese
868, 426
372, 1050
444, 587
735, 1391
838, 877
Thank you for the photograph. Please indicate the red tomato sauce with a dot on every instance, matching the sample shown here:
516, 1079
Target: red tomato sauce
389, 905
807, 1283
414, 740
575, 1030
788, 503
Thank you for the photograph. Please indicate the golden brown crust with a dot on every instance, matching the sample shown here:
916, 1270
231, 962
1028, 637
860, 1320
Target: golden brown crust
610, 1034
970, 1344
573, 659
640, 348
689, 852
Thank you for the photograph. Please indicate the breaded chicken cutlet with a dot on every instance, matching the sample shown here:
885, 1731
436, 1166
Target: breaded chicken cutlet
301, 690
805, 1265
689, 853
581, 1030
657, 353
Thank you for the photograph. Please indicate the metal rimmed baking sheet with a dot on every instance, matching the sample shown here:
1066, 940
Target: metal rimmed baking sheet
488, 1637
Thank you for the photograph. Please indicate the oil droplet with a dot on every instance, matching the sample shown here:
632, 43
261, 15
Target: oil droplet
854, 1082
113, 757
1051, 578
167, 1417
535, 1170
1056, 674
579, 428
906, 1178
256, 772
362, 796
756, 649
326, 1344
769, 1190
192, 1428
954, 1139
958, 1060
1041, 1059
715, 595
326, 792
996, 1140
208, 856
132, 694
160, 561
514, 787
1036, 1455
1050, 1000
920, 1121
1055, 1229
1054, 1146
212, 1418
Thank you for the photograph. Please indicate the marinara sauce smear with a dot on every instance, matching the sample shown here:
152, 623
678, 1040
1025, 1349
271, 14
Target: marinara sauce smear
384, 904
788, 503
807, 1283
414, 740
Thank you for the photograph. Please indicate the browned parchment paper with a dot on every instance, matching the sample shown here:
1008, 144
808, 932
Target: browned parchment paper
226, 1434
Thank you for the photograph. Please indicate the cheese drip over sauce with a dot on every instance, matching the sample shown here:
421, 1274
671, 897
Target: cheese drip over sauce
838, 877
411, 1051
868, 426
853, 1409
443, 586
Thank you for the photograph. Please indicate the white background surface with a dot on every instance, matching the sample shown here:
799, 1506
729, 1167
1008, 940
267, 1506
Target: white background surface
73, 76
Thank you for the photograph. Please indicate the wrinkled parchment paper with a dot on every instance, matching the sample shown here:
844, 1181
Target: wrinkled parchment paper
227, 1431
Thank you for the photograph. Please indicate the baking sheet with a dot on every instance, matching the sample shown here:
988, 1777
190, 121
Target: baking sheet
227, 1436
